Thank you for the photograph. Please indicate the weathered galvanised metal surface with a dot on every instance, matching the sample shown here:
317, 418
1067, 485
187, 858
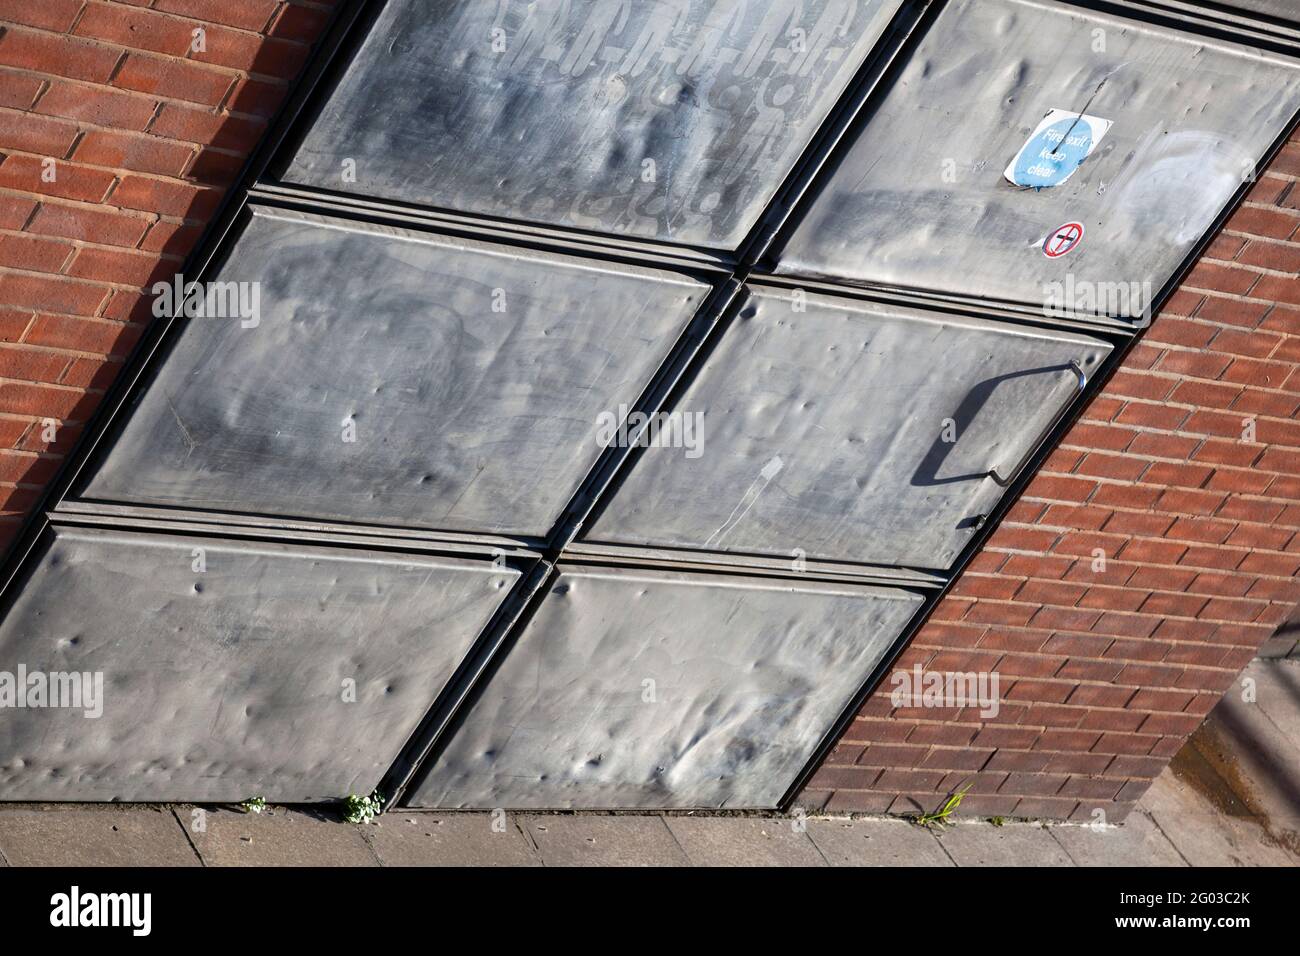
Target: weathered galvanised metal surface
849, 431
278, 547
227, 669
1288, 10
633, 688
673, 119
395, 378
921, 199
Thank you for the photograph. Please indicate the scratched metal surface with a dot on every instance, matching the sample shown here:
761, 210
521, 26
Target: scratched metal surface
228, 683
722, 95
464, 419
1288, 10
745, 677
1190, 117
823, 431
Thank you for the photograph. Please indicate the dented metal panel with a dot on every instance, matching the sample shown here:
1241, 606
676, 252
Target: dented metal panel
849, 431
395, 378
641, 689
920, 199
1288, 10
227, 666
675, 119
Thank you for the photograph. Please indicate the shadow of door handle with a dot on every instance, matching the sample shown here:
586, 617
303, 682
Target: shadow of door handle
1082, 377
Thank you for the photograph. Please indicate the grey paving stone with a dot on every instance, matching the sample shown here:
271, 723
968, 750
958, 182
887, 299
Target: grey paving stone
604, 841
1255, 748
1136, 842
1203, 835
402, 838
876, 843
93, 836
743, 841
1015, 844
1278, 696
278, 837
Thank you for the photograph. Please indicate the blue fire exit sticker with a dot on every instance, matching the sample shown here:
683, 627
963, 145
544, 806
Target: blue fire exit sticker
1062, 141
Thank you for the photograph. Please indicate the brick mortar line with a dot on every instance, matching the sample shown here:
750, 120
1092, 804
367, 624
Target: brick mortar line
1221, 546
1225, 548
1145, 616
985, 769
1179, 348
1197, 318
1078, 657
157, 98
105, 284
1242, 297
1248, 267
56, 350
33, 455
1270, 552
85, 127
1129, 455
1208, 671
71, 388
1148, 589
1039, 729
1130, 483
83, 205
1220, 294
1233, 497
1267, 207
1251, 237
1119, 395
122, 323
150, 13
108, 85
79, 244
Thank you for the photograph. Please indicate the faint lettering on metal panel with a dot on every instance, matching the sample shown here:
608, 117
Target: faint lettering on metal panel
669, 119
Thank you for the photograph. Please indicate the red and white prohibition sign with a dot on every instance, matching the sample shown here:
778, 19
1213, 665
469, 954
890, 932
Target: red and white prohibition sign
1062, 240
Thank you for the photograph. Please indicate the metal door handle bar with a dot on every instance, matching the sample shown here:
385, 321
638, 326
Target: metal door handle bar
1082, 376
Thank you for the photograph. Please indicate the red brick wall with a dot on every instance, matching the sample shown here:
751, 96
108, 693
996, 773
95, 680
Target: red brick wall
1104, 674
145, 133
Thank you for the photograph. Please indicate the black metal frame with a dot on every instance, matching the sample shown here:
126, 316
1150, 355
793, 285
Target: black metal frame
727, 273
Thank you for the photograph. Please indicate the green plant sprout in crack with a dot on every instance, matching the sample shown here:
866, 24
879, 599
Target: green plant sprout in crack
362, 809
253, 805
997, 821
939, 818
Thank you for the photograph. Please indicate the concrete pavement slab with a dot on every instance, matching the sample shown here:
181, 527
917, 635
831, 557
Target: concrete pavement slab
1278, 687
278, 837
93, 836
744, 841
1261, 737
876, 843
1014, 844
1204, 835
1135, 842
604, 841
454, 839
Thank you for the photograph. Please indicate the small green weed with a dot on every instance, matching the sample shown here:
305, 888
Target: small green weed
939, 818
362, 809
